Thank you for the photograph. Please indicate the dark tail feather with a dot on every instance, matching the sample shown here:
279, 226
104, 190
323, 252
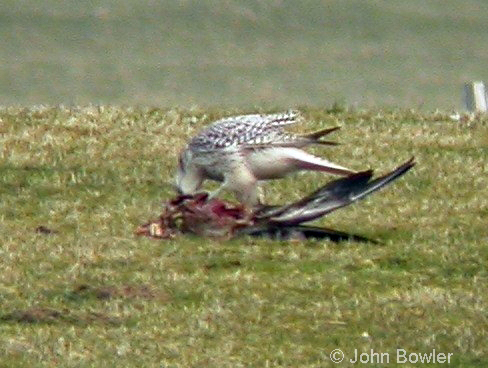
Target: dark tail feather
320, 133
315, 136
334, 195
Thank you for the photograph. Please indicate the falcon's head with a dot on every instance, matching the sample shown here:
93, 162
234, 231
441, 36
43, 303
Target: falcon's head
188, 177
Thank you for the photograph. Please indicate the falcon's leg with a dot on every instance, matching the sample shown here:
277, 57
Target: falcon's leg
243, 184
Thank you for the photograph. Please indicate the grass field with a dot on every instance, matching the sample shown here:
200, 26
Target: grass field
93, 294
230, 53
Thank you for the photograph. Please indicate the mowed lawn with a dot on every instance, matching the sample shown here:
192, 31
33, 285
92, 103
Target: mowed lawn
90, 293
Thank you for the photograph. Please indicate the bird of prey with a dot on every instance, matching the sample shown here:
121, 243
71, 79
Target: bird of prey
239, 151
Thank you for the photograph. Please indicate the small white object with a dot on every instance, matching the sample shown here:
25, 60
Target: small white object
475, 96
365, 335
455, 116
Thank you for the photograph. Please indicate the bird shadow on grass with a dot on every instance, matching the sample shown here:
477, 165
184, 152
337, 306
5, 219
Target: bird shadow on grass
302, 232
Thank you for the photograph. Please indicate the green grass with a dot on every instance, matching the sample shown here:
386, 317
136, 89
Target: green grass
93, 294
242, 53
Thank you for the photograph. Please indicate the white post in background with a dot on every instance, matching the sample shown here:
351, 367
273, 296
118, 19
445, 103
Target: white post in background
475, 97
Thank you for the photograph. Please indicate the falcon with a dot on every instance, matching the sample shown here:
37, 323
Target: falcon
240, 151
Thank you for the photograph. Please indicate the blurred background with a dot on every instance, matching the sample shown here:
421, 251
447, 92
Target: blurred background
237, 53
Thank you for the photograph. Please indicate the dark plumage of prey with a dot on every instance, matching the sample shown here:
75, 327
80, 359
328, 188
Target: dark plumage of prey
242, 150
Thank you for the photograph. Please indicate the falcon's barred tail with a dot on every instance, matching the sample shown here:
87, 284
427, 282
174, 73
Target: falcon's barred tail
334, 195
314, 137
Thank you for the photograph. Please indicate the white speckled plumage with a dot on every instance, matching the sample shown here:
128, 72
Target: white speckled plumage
246, 130
241, 150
